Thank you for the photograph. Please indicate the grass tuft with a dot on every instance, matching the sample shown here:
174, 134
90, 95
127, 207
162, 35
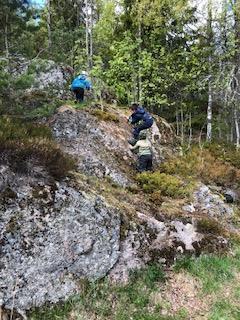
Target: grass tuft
213, 271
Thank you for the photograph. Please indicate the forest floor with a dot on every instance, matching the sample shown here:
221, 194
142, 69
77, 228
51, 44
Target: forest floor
204, 288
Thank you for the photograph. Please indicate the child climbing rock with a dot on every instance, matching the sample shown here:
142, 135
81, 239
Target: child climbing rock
141, 118
143, 148
79, 84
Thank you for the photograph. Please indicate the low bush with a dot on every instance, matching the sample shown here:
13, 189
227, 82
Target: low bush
164, 184
210, 225
21, 142
204, 165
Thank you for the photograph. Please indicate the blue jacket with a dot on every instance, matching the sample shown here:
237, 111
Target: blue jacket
141, 115
81, 82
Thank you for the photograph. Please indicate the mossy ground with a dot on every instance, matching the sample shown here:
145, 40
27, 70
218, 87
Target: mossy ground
199, 288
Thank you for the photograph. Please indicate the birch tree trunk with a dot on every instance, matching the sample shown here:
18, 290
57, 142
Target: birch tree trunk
209, 112
236, 71
87, 34
235, 115
210, 89
49, 25
91, 36
182, 125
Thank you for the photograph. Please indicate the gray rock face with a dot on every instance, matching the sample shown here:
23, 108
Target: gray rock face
208, 203
98, 152
51, 236
153, 240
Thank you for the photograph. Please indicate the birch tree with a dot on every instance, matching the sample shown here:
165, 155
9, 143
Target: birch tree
210, 76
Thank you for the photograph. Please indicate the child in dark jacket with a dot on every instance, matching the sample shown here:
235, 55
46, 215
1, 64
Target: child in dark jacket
141, 118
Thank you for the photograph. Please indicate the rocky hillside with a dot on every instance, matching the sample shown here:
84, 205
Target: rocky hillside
100, 219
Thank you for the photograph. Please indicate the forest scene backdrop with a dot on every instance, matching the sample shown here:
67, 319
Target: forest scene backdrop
180, 58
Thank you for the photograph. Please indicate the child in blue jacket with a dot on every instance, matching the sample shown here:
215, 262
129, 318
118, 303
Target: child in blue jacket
141, 118
79, 84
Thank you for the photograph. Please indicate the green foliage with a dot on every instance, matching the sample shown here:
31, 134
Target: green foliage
213, 271
166, 184
23, 82
225, 309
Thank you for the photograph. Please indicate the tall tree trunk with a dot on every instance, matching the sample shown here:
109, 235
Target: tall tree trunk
209, 112
87, 34
235, 116
237, 62
6, 39
91, 37
182, 125
210, 89
49, 25
139, 61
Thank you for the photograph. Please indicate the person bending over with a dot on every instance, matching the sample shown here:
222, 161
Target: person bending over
141, 119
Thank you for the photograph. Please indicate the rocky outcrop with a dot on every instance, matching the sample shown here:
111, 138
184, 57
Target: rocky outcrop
101, 147
51, 236
93, 223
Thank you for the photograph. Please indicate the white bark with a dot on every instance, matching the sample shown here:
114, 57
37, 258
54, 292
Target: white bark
182, 126
91, 37
209, 112
177, 121
236, 128
190, 130
87, 33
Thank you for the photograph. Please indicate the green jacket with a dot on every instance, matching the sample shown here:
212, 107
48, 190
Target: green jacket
142, 147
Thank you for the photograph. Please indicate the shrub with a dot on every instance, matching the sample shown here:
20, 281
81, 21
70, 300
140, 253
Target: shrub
166, 184
204, 165
21, 141
210, 225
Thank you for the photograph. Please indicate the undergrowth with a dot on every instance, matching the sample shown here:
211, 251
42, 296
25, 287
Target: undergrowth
21, 142
163, 184
204, 165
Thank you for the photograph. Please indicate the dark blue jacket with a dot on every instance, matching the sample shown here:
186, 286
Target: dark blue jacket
81, 82
141, 115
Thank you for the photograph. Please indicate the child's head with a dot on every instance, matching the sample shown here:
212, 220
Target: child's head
142, 135
134, 106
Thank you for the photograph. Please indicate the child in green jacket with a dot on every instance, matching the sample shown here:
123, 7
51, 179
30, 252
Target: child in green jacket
143, 148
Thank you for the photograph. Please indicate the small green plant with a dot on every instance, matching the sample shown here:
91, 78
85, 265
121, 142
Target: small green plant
166, 184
